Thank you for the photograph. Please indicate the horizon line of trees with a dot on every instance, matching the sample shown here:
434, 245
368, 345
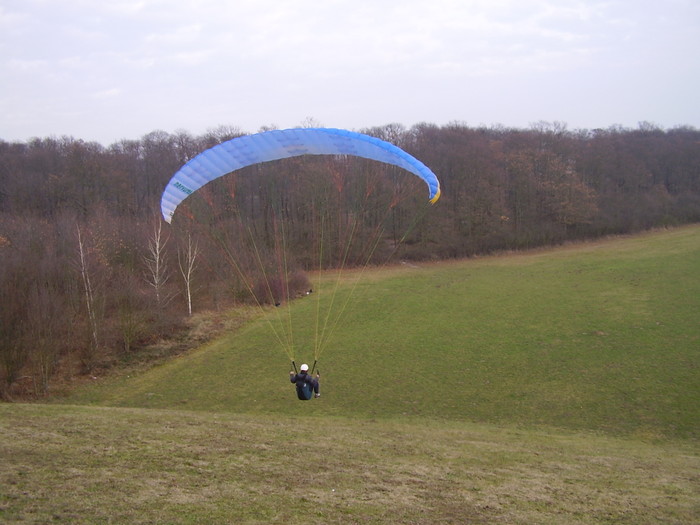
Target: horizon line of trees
90, 274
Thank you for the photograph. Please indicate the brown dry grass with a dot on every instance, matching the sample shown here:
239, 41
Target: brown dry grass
105, 465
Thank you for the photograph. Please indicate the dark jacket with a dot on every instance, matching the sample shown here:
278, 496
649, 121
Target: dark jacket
306, 384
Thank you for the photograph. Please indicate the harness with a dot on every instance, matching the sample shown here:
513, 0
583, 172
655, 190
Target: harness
305, 388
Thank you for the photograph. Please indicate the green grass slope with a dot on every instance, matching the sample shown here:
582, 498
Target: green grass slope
600, 336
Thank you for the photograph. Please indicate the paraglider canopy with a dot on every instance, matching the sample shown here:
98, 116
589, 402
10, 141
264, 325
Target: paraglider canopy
279, 144
253, 228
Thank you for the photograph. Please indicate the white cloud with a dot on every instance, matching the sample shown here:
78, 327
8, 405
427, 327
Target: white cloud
26, 65
107, 93
183, 35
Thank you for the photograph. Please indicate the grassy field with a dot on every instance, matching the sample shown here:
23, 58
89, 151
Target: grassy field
94, 465
556, 386
602, 336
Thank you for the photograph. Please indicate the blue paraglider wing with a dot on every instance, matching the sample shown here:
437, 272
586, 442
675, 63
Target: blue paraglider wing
280, 144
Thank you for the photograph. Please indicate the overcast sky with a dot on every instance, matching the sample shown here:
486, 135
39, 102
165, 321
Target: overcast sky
106, 71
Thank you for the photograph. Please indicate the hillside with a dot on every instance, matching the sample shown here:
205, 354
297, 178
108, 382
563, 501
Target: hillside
91, 274
596, 336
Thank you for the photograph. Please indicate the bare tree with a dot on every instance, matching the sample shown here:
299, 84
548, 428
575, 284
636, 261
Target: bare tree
13, 355
157, 273
90, 354
130, 317
44, 316
187, 262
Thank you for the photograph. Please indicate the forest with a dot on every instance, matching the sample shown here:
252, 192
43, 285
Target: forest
91, 274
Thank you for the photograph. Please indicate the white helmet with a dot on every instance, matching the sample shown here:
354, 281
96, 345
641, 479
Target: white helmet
304, 367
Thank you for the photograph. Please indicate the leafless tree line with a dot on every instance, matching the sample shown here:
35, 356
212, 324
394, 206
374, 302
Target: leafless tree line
89, 273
